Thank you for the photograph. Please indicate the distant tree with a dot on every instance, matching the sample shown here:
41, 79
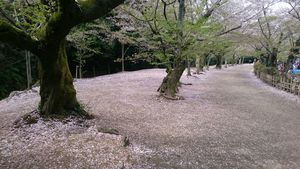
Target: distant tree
173, 32
85, 39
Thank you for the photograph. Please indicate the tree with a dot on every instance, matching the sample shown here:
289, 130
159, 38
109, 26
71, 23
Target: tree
169, 85
188, 39
295, 9
173, 32
268, 32
58, 96
85, 39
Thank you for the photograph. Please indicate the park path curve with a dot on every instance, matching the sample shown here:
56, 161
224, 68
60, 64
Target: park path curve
228, 119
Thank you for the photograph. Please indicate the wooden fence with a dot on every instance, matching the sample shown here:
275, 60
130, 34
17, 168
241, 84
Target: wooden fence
281, 83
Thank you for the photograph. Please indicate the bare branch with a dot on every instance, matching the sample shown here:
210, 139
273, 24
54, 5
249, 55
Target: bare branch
93, 9
212, 9
136, 17
261, 29
165, 7
230, 30
297, 14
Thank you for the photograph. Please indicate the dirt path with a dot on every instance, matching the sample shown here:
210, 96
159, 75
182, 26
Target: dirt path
229, 119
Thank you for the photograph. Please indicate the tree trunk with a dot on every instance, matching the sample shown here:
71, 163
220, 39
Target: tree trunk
188, 68
233, 60
199, 65
80, 67
219, 62
58, 96
169, 86
123, 57
273, 58
76, 73
28, 69
208, 62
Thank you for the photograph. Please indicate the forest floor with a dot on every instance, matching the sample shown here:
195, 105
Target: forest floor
228, 119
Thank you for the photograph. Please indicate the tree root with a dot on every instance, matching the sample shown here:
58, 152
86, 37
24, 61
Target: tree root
27, 119
35, 116
187, 84
171, 97
200, 73
108, 131
126, 141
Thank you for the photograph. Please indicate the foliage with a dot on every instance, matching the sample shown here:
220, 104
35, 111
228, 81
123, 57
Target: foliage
259, 67
12, 61
99, 44
12, 70
28, 15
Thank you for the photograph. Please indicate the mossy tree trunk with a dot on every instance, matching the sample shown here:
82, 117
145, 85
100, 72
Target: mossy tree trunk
272, 60
58, 96
169, 86
199, 64
219, 61
189, 73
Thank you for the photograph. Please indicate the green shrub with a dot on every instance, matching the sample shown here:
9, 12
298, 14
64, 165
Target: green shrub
259, 67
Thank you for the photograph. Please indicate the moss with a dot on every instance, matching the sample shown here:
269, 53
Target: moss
85, 4
78, 112
58, 96
16, 37
169, 86
219, 61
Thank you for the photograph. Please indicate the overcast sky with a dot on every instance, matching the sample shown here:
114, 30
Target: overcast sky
281, 6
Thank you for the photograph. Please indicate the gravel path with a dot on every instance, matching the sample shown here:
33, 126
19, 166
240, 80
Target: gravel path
229, 119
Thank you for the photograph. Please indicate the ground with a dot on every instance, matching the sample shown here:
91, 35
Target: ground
229, 119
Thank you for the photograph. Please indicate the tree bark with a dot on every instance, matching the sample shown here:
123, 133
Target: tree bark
208, 63
123, 57
199, 64
189, 68
219, 62
80, 67
28, 69
58, 96
273, 58
169, 86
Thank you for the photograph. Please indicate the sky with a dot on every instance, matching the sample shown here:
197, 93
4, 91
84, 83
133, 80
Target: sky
280, 6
